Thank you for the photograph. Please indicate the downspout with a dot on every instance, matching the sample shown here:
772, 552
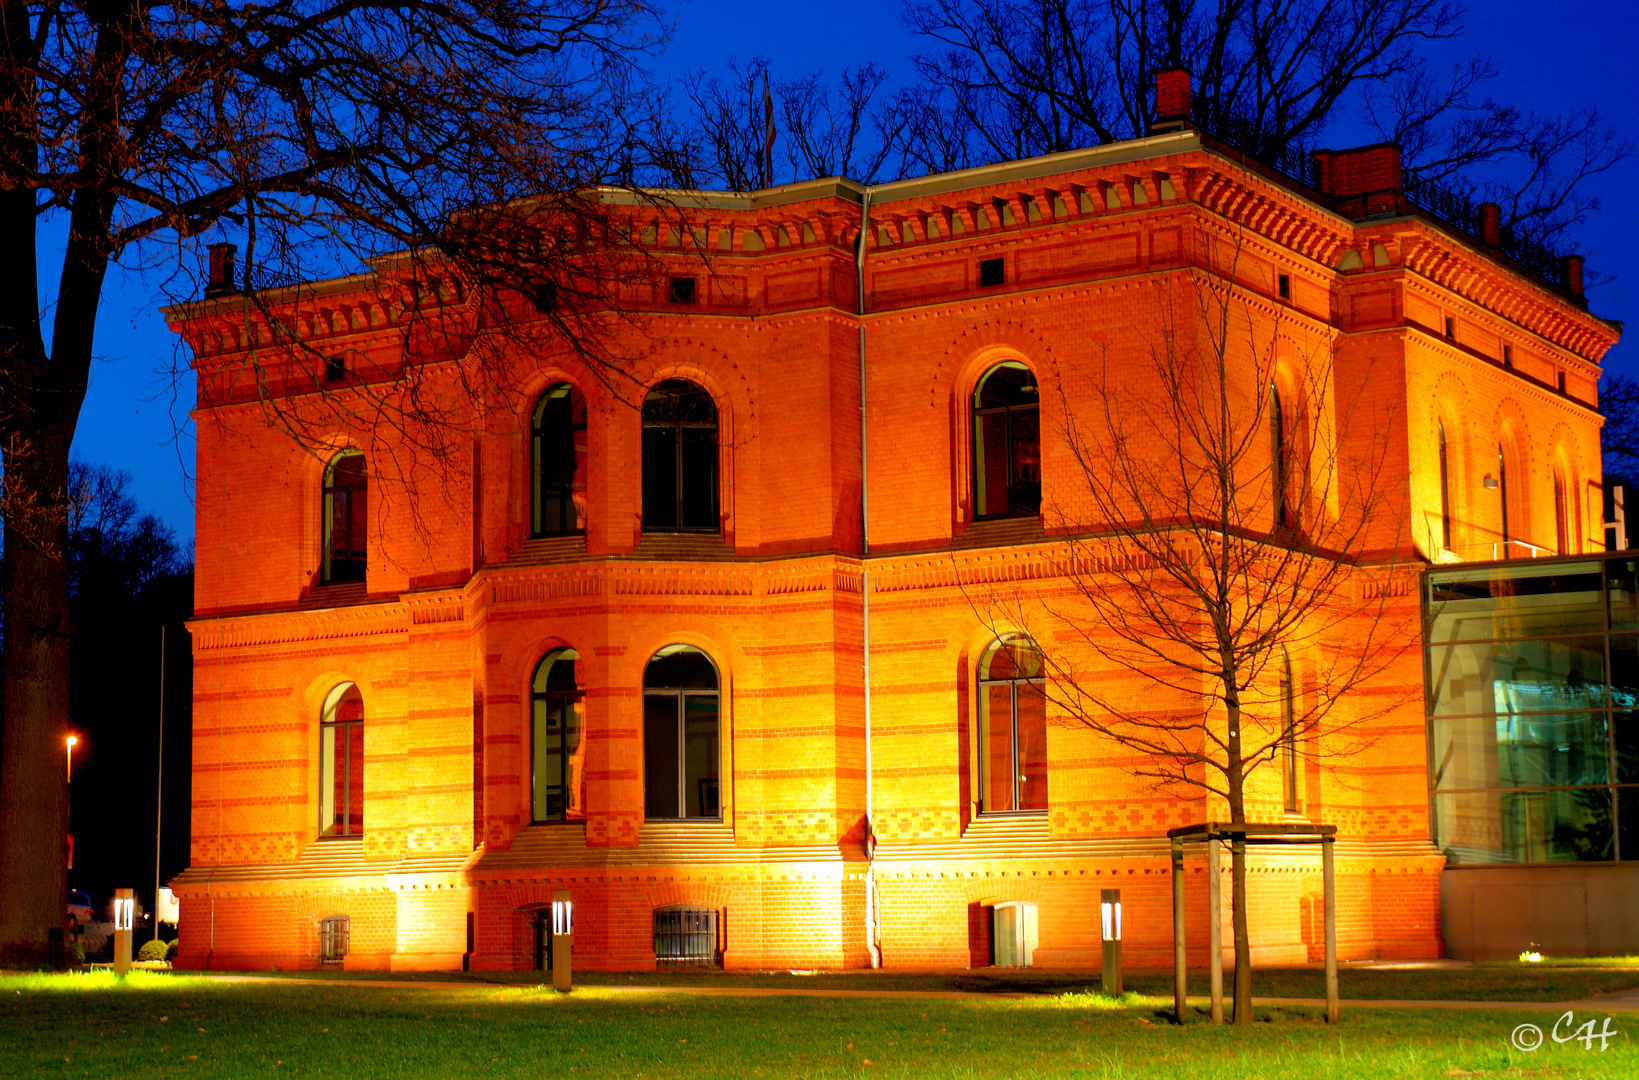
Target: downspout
872, 929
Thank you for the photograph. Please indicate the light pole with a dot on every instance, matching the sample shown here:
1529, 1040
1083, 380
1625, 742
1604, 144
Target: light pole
71, 741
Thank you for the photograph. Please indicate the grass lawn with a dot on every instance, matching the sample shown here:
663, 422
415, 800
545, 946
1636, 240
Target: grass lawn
183, 1027
1555, 981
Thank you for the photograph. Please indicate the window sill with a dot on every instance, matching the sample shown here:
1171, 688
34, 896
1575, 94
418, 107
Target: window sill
683, 546
1002, 531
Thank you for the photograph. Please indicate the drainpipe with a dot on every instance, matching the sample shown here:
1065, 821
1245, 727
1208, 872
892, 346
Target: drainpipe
872, 930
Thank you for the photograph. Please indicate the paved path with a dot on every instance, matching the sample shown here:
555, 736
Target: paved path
1626, 1001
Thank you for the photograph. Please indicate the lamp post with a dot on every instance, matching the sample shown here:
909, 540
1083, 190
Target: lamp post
1110, 910
125, 909
562, 938
70, 742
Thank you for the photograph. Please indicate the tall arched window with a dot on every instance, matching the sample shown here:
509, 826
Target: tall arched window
1007, 443
1012, 727
346, 515
681, 728
1445, 490
557, 740
557, 451
1502, 491
679, 459
1562, 518
1289, 733
1277, 455
341, 763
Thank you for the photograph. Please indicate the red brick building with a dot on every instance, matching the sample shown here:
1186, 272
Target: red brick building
616, 644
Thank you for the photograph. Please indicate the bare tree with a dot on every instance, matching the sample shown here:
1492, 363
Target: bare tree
325, 136
851, 130
1232, 510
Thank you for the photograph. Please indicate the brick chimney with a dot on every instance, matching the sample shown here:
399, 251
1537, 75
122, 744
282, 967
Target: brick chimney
221, 281
1172, 100
1491, 224
1573, 273
1364, 181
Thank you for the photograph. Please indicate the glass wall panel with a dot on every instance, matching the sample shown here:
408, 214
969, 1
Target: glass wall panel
1534, 750
1622, 589
1627, 812
1624, 678
1492, 602
1625, 744
1567, 825
1517, 676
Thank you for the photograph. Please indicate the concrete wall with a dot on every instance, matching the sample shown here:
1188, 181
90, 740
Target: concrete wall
1496, 912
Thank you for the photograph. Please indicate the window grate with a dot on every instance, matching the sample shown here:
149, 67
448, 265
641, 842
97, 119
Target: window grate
334, 936
685, 937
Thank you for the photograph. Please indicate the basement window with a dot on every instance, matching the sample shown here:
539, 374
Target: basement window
685, 937
335, 934
991, 273
682, 290
335, 369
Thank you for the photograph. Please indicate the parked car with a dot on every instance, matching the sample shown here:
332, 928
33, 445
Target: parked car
79, 909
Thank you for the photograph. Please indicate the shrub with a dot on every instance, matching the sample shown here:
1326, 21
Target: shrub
153, 950
171, 950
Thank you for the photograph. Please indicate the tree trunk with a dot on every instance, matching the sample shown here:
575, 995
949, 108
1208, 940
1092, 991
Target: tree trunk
33, 756
1237, 867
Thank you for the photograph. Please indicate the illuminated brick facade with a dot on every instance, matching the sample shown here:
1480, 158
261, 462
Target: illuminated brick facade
460, 604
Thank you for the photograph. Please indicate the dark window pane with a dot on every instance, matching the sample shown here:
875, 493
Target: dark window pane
1622, 586
1517, 676
660, 755
1531, 750
548, 763
1024, 495
699, 478
1625, 734
1007, 385
990, 464
1624, 671
700, 755
333, 780
1515, 601
1627, 811
1571, 825
996, 748
559, 458
355, 778
679, 667
1032, 751
659, 478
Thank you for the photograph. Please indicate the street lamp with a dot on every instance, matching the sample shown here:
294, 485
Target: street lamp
125, 909
1110, 910
71, 741
562, 938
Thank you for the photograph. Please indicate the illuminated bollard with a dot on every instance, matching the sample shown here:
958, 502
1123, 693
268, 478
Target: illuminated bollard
125, 910
1110, 909
562, 939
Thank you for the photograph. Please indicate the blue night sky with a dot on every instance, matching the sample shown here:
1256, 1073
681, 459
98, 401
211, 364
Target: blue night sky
135, 411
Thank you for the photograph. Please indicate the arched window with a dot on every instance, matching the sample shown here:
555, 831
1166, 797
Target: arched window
1012, 727
1277, 455
346, 504
1502, 491
341, 763
679, 459
680, 735
557, 740
557, 451
1007, 443
1445, 490
1562, 519
1289, 733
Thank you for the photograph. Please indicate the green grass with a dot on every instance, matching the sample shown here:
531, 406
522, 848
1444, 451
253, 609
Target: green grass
1488, 982
182, 1027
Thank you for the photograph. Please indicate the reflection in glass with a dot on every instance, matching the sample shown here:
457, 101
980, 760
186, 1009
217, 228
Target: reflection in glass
1517, 601
1567, 825
1622, 587
1012, 727
558, 455
1535, 750
341, 763
558, 726
1627, 812
1007, 443
1625, 737
1624, 671
681, 735
1517, 676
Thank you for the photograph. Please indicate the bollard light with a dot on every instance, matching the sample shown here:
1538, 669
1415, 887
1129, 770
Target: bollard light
70, 742
125, 911
562, 939
1110, 912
